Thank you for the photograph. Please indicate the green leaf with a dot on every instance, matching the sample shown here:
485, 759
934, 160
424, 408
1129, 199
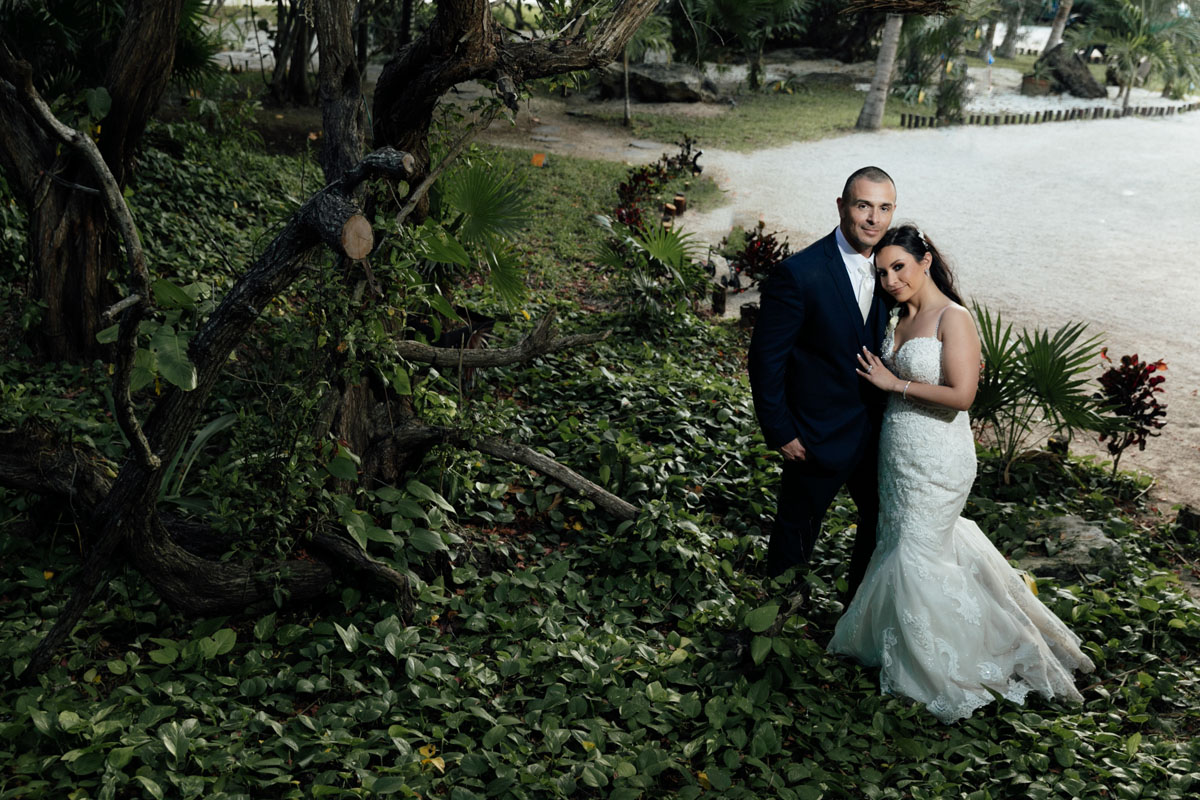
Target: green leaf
388, 785
445, 250
150, 786
556, 571
343, 468
99, 102
349, 636
173, 363
118, 757
109, 334
494, 736
264, 627
356, 525
400, 382
418, 489
225, 640
164, 655
425, 540
762, 617
168, 295
759, 647
1132, 744
70, 722
408, 508
718, 779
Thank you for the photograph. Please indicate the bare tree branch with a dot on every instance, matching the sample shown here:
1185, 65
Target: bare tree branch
417, 437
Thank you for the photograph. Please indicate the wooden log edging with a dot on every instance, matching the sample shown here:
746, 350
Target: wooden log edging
1051, 115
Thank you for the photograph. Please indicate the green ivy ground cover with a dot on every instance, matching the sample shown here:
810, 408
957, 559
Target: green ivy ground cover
553, 652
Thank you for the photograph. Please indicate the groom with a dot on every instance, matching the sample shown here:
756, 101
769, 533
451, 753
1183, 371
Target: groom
819, 309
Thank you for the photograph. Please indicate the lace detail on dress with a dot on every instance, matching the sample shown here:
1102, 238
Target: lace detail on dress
941, 611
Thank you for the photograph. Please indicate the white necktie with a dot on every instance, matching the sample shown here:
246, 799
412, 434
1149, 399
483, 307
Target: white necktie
866, 288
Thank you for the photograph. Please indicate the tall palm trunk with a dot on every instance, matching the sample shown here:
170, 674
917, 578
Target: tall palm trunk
1012, 30
989, 39
871, 116
628, 121
1059, 25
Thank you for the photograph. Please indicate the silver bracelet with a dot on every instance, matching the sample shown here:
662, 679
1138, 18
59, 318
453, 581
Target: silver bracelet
904, 394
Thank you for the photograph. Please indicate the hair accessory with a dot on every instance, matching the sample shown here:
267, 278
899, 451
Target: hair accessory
921, 236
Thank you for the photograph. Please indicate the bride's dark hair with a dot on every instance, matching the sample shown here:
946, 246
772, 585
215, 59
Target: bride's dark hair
917, 245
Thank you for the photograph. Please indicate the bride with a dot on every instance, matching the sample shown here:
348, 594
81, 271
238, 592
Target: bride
940, 611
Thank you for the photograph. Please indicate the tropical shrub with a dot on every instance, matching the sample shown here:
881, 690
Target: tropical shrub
1128, 392
1032, 384
752, 255
657, 269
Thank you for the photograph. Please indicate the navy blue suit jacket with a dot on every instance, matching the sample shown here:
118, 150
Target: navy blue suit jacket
802, 359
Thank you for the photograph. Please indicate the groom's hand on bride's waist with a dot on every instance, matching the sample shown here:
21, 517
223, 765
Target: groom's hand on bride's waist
793, 451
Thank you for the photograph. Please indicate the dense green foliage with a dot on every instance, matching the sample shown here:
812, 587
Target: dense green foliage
552, 651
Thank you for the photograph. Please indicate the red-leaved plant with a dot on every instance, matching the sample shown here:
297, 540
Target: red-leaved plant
641, 183
752, 258
1129, 392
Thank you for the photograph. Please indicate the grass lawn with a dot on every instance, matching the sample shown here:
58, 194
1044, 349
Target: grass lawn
769, 119
561, 236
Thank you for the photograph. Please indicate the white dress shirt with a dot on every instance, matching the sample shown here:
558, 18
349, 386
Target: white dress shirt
861, 271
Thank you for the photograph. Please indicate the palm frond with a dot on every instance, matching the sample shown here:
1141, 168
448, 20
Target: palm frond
491, 203
506, 274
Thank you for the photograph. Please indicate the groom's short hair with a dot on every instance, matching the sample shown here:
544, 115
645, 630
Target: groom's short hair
873, 174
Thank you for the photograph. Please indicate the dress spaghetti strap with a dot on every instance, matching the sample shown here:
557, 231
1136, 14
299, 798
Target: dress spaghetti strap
938, 325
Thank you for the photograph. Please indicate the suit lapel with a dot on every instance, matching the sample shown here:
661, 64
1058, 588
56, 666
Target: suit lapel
841, 279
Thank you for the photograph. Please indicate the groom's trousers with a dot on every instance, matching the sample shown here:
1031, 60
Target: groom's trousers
804, 497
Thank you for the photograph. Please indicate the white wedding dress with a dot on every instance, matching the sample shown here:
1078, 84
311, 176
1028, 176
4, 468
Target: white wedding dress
940, 610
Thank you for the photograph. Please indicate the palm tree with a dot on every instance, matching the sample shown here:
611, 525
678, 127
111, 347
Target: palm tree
1134, 32
1059, 25
871, 116
1014, 12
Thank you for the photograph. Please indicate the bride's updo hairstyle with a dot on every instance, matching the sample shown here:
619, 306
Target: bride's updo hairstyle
917, 245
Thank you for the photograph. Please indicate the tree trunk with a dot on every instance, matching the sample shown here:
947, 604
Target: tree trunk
757, 68
1059, 25
343, 114
628, 121
871, 116
1012, 30
296, 83
464, 42
362, 34
406, 22
988, 41
292, 48
71, 248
